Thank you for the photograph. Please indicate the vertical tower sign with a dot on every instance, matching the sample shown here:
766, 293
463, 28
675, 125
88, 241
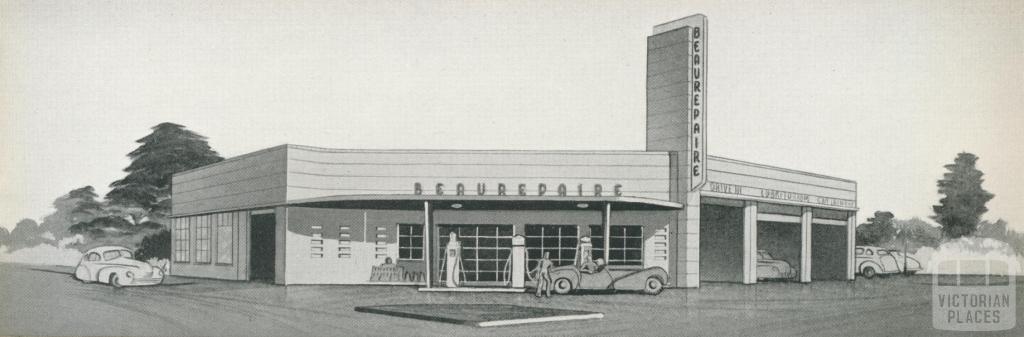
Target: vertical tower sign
677, 88
698, 112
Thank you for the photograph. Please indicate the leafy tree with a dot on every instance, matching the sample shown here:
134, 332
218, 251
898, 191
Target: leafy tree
917, 234
78, 205
111, 226
5, 237
170, 148
26, 234
1016, 241
964, 199
999, 230
157, 245
877, 230
995, 230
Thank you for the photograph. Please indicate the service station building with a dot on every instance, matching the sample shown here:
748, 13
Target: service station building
295, 214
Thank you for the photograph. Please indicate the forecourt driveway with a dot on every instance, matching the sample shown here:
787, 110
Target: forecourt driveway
47, 301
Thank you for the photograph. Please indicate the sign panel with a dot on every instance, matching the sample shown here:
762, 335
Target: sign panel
697, 103
765, 193
562, 190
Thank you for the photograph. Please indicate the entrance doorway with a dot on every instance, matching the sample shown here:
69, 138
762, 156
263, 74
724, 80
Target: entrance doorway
485, 253
262, 248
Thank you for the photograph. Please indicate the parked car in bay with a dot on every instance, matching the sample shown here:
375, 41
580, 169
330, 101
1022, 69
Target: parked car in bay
871, 261
770, 268
114, 265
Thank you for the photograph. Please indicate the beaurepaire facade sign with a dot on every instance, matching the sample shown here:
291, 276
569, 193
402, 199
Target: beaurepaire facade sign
501, 189
698, 110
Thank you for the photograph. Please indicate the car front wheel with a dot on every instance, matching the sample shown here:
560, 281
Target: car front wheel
115, 281
653, 286
563, 286
868, 272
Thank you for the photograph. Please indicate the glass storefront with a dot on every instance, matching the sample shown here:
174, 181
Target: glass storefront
558, 240
485, 252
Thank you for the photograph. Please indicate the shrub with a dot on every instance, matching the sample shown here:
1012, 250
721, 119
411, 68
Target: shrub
156, 245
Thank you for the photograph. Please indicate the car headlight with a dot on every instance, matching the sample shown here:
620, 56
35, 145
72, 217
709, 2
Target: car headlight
129, 274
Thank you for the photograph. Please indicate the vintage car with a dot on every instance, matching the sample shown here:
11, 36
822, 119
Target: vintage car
570, 278
871, 261
114, 265
769, 268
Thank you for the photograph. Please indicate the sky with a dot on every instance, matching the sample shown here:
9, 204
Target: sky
881, 92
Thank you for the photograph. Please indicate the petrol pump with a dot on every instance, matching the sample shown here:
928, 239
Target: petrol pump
584, 251
453, 261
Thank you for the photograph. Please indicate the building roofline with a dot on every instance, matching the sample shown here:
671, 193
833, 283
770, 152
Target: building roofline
494, 151
423, 151
231, 159
812, 174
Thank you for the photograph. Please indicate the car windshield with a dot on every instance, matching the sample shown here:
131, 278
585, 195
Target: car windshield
883, 252
764, 256
113, 254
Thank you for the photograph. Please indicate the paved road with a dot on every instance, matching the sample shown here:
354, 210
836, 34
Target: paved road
47, 301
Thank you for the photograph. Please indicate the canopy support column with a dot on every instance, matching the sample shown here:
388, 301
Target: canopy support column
427, 236
607, 232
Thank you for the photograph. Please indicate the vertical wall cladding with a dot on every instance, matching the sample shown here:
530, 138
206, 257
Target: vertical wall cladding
669, 57
224, 241
342, 246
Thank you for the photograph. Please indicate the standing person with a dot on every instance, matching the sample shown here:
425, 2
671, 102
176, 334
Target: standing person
543, 278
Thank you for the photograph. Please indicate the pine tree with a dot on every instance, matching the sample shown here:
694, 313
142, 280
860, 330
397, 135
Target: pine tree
963, 201
145, 191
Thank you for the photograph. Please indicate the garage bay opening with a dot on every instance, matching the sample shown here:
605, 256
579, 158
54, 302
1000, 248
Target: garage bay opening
721, 243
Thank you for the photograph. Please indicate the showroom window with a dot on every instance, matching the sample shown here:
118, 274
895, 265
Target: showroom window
203, 239
181, 240
410, 242
626, 245
225, 224
558, 240
486, 251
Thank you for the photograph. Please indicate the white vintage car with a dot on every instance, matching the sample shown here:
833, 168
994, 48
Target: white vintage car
114, 265
769, 268
871, 261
